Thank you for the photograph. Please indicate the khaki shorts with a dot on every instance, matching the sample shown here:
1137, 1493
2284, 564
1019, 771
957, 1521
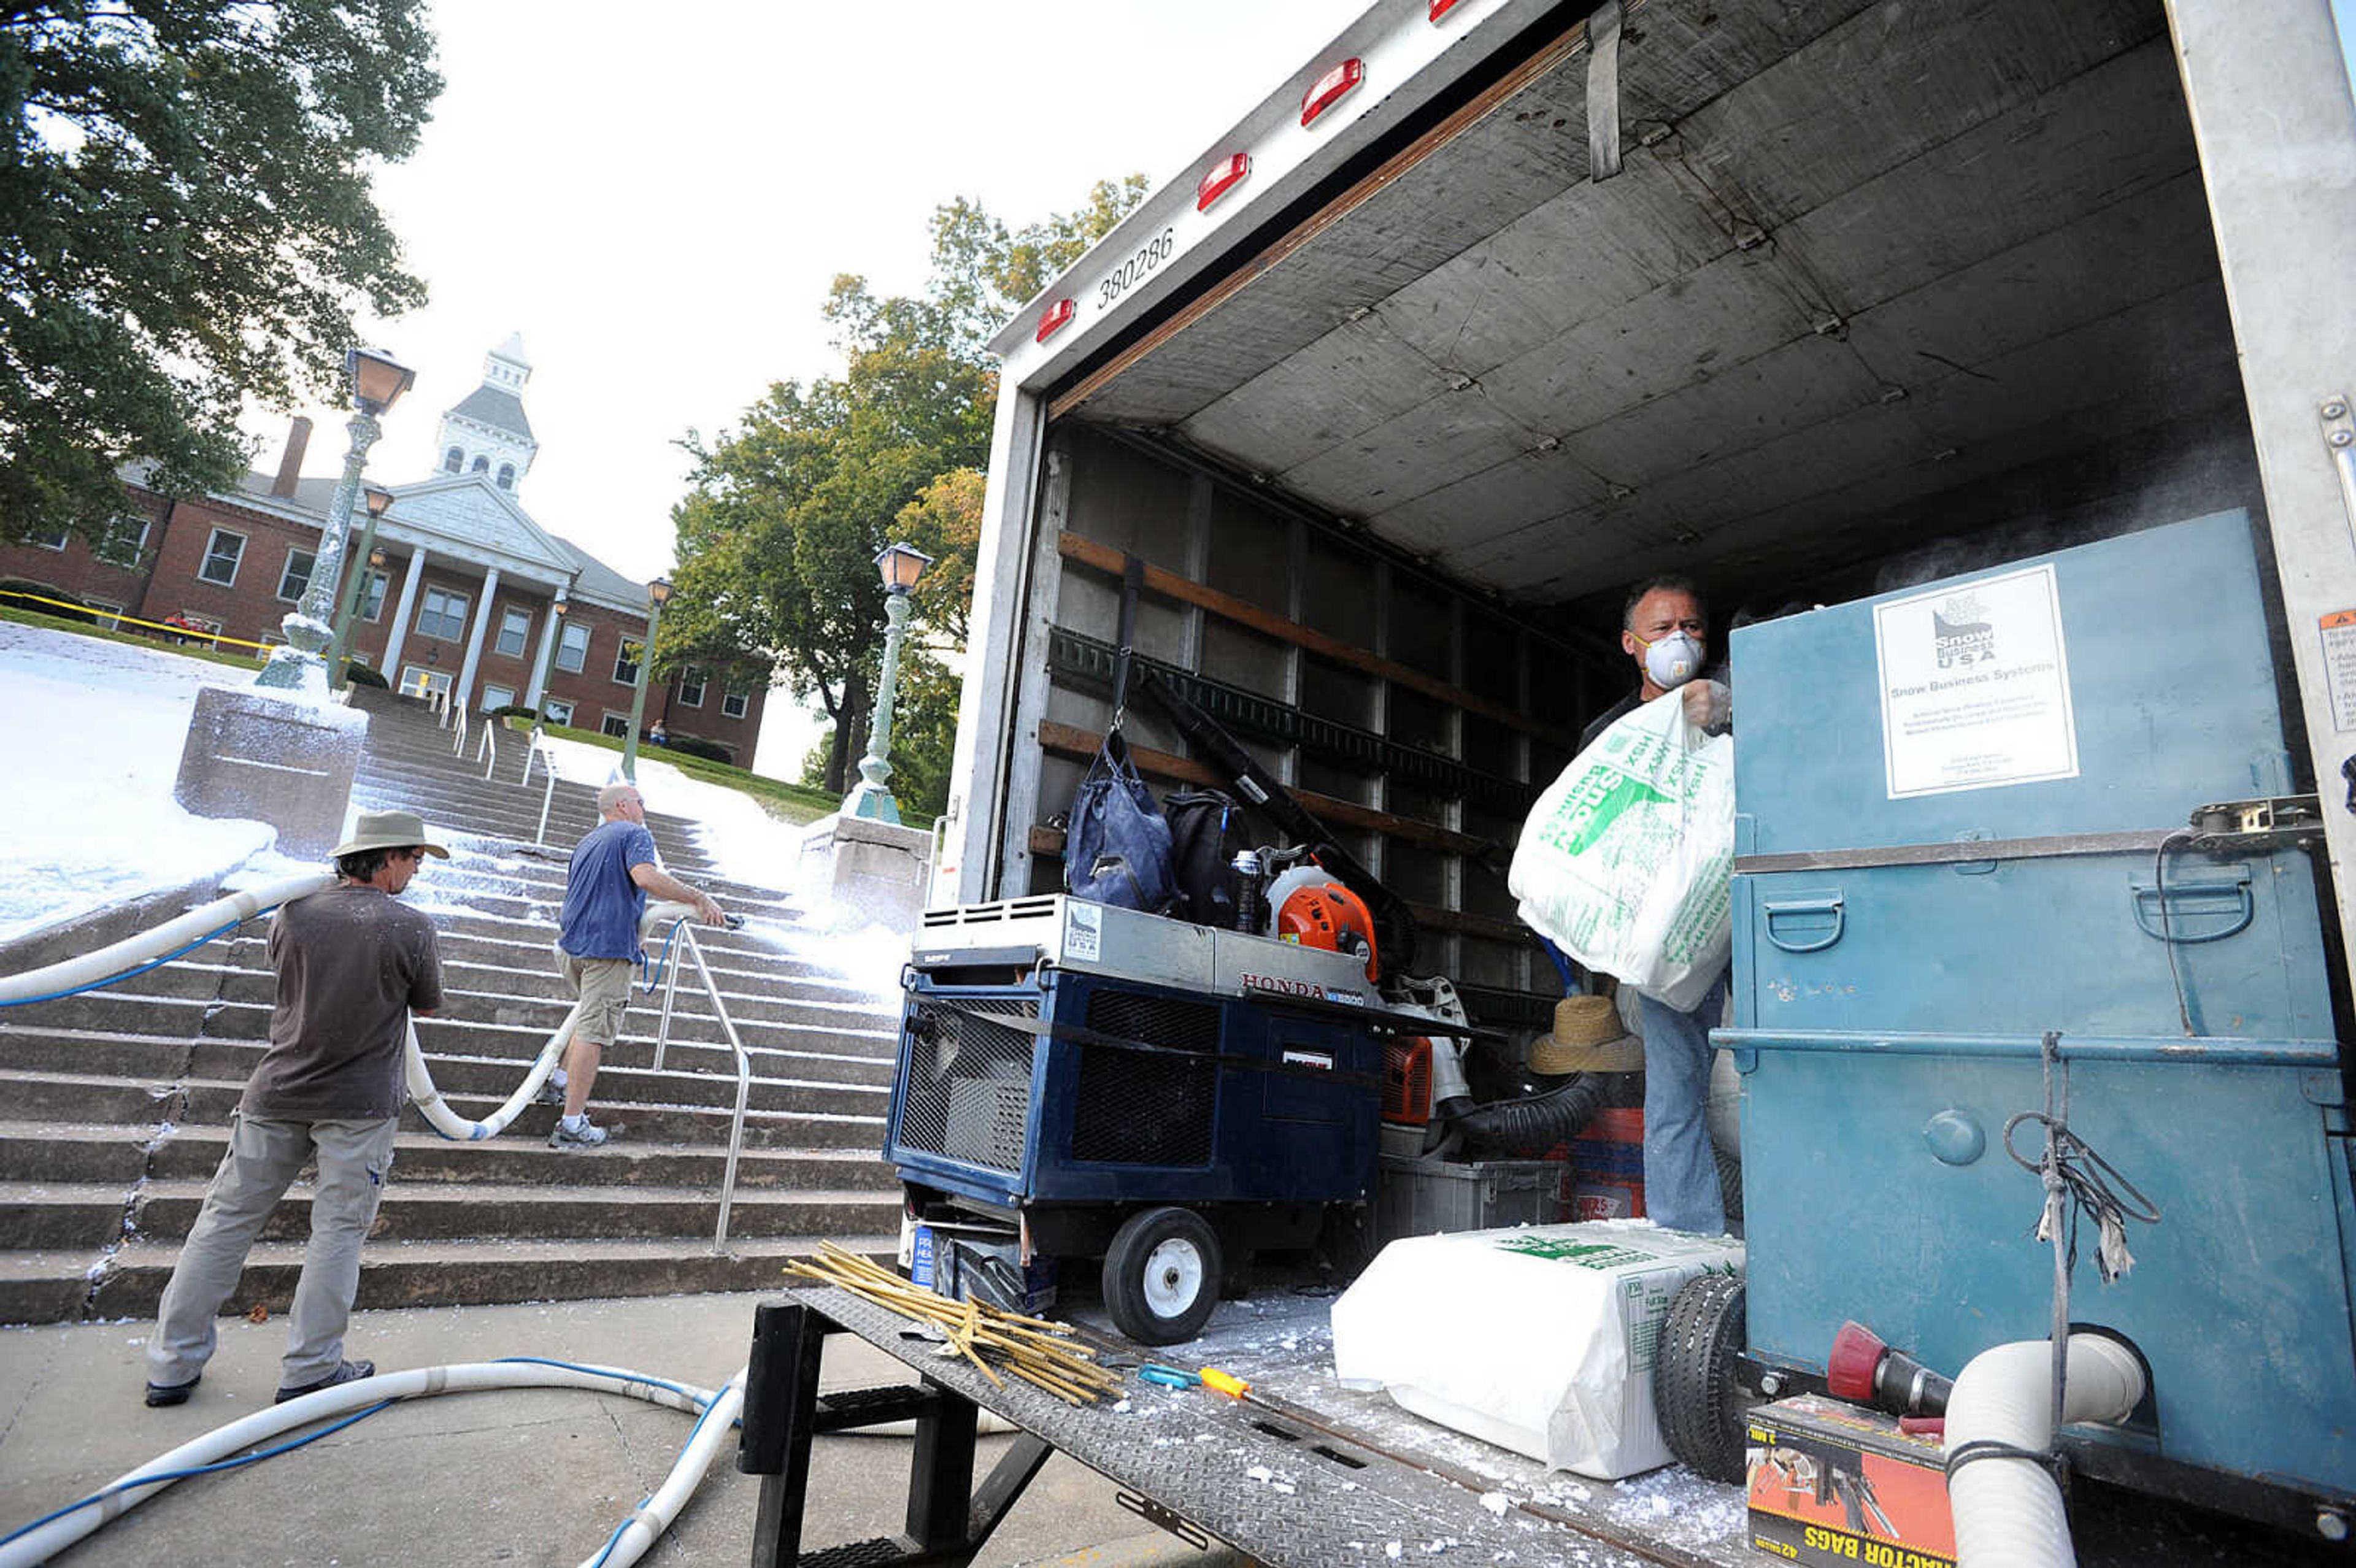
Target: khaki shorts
604, 987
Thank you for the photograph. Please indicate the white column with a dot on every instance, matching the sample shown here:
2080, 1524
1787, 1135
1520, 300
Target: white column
539, 659
475, 641
400, 616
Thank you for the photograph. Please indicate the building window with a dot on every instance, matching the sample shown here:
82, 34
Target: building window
297, 576
732, 704
482, 465
616, 724
556, 711
453, 461
690, 688
122, 544
372, 601
110, 616
515, 632
507, 475
443, 614
54, 540
573, 648
626, 664
498, 697
222, 552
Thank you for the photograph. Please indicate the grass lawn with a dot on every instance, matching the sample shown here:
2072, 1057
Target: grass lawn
161, 645
794, 804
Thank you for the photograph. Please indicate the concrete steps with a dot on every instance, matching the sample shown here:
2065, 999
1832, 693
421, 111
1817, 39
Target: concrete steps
116, 1104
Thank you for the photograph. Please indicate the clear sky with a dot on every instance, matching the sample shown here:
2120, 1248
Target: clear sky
658, 200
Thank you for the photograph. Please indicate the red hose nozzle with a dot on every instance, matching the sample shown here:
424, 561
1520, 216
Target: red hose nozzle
1864, 1371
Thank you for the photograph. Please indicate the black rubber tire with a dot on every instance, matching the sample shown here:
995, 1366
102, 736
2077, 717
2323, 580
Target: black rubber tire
1162, 1275
1729, 1183
1703, 1411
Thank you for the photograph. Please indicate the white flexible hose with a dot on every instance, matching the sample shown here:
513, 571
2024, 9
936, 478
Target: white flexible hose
449, 1123
646, 1524
2008, 1511
136, 950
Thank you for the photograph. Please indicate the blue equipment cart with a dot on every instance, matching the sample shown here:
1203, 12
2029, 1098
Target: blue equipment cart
1971, 813
1162, 1095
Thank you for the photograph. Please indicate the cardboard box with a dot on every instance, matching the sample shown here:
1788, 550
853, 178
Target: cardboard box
981, 1263
1608, 1168
1832, 1482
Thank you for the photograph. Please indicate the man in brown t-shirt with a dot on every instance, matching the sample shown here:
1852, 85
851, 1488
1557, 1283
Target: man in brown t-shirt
353, 967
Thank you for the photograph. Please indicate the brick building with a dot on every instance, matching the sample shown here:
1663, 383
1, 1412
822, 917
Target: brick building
474, 598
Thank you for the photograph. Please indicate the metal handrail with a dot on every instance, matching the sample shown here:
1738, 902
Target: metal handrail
439, 702
488, 744
693, 949
458, 746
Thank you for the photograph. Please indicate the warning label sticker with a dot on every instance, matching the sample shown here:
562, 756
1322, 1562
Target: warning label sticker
2339, 633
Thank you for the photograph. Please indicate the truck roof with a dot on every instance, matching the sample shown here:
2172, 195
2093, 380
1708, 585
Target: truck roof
1862, 263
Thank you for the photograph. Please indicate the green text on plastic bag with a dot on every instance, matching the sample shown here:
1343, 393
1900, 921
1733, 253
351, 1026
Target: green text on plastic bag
1589, 810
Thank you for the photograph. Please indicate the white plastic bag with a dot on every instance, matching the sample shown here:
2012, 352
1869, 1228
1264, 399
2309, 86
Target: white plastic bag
1626, 862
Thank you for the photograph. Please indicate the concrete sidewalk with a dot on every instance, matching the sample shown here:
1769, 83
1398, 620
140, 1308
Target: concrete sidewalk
520, 1477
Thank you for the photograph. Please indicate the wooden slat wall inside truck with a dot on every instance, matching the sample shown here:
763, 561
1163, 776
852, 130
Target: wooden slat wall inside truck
1416, 720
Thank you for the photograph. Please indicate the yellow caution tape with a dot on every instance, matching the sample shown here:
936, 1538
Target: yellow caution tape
120, 619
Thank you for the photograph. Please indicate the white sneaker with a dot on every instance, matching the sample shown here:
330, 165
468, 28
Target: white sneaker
589, 1135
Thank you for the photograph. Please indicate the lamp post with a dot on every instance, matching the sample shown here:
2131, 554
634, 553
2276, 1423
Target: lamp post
377, 381
901, 566
657, 594
557, 607
379, 500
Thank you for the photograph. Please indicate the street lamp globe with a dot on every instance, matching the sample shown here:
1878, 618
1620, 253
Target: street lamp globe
380, 501
900, 565
377, 379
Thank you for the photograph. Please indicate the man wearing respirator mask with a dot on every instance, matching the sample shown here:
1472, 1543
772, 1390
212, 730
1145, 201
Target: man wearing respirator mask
1664, 628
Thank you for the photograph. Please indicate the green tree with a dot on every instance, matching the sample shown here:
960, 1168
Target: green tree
185, 220
777, 538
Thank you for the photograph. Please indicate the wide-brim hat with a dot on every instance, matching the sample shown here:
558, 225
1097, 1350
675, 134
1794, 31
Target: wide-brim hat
387, 830
1587, 1037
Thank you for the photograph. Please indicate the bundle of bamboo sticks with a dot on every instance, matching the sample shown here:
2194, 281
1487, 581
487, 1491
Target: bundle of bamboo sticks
1033, 1348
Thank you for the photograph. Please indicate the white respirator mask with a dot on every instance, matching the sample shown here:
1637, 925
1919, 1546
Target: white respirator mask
1673, 661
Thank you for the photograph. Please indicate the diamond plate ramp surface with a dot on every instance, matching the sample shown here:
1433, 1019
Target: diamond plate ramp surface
1286, 1492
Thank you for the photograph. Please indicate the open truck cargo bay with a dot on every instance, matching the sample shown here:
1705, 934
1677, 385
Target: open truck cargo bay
1879, 291
1485, 315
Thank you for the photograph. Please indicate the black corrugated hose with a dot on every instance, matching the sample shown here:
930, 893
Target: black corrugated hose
1531, 1125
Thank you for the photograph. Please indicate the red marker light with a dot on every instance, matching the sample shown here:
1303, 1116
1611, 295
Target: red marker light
1223, 179
1330, 89
1056, 317
1440, 8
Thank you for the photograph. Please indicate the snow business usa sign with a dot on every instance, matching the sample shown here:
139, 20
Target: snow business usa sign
1975, 685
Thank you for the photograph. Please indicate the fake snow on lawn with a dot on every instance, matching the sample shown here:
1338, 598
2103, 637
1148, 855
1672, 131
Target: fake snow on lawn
98, 728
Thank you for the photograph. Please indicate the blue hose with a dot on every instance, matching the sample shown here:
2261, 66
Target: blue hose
132, 974
219, 1465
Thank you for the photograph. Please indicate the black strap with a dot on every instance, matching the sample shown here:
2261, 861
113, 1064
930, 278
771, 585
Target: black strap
1132, 583
1073, 1034
1991, 1448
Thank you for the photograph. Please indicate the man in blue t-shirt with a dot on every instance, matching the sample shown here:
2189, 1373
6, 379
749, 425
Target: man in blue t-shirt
606, 889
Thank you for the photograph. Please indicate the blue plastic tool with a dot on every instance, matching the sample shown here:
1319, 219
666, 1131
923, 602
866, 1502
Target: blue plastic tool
1169, 1377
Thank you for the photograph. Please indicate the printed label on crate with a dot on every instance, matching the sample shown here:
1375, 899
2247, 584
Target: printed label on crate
1322, 1060
1974, 681
1083, 931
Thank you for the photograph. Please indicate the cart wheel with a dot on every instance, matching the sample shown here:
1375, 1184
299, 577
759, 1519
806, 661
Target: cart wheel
1162, 1275
1702, 1409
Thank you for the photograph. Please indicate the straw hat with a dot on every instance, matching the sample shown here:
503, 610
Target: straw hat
387, 830
1587, 1037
